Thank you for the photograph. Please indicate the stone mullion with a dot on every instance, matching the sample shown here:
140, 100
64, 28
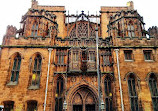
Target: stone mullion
76, 29
43, 29
88, 29
38, 26
123, 26
139, 29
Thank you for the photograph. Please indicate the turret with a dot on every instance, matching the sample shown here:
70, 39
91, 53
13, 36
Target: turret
153, 31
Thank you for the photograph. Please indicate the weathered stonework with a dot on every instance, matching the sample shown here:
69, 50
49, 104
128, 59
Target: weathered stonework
73, 59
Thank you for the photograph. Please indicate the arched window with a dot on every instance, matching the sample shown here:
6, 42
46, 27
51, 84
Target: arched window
108, 93
153, 90
36, 70
16, 68
34, 29
133, 93
59, 95
8, 105
131, 32
32, 105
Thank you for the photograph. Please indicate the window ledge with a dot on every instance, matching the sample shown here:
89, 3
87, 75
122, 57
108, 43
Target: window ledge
149, 60
32, 87
129, 60
11, 83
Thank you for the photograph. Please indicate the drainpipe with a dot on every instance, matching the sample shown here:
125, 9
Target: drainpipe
50, 50
99, 96
118, 68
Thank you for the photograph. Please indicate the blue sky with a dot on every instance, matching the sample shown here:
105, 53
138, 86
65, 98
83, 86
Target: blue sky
11, 11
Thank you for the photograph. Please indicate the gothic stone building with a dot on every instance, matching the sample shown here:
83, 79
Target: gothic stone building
51, 62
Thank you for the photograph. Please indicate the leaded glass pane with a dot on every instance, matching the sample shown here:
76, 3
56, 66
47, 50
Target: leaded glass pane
36, 70
16, 68
107, 104
133, 93
130, 87
108, 94
59, 96
153, 90
56, 104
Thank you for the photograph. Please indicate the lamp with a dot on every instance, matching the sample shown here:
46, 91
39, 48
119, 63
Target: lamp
65, 105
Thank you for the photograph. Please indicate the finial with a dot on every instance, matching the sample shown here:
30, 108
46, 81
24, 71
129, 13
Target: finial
82, 12
76, 12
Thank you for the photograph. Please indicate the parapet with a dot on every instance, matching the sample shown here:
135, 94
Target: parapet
114, 9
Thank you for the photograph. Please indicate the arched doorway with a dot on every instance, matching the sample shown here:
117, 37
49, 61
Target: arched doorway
84, 100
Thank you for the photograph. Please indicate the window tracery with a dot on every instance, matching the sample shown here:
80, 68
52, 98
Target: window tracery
131, 30
82, 29
60, 57
16, 68
34, 30
36, 71
133, 93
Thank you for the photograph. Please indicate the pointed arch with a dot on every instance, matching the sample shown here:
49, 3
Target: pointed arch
35, 54
149, 74
88, 95
14, 68
129, 73
15, 54
36, 65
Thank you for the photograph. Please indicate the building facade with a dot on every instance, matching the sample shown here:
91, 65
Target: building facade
51, 62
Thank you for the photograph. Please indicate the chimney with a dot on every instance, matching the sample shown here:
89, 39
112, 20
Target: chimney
130, 5
34, 4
